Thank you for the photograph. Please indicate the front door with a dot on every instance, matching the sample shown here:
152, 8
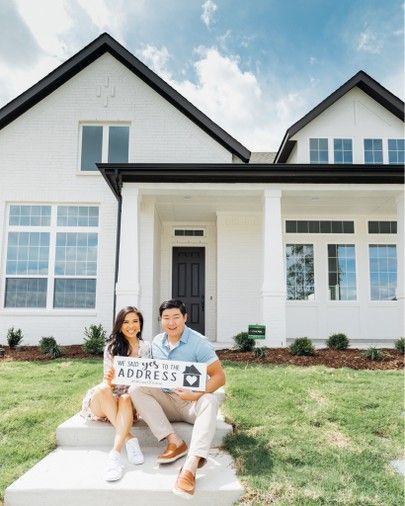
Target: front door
188, 283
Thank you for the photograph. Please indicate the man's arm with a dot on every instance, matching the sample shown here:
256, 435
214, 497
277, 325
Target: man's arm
217, 380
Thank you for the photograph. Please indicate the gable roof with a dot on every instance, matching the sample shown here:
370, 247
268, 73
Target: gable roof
363, 81
103, 44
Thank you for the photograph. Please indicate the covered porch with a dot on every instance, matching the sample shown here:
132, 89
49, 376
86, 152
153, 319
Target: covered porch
238, 233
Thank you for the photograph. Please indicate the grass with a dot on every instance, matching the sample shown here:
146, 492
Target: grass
309, 436
303, 436
35, 397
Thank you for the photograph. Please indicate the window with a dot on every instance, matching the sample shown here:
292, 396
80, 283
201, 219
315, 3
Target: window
383, 271
318, 151
319, 227
343, 151
342, 271
189, 232
396, 148
373, 151
31, 238
103, 143
382, 227
300, 271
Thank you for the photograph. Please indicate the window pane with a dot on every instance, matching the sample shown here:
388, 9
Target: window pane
30, 215
373, 151
92, 140
300, 271
342, 271
25, 292
383, 271
291, 226
27, 253
76, 254
382, 227
75, 293
396, 149
343, 150
118, 144
77, 216
318, 150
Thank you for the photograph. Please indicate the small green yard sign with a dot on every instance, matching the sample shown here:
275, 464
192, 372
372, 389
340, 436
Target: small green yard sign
257, 331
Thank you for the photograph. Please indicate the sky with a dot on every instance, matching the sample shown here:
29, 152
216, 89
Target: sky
255, 67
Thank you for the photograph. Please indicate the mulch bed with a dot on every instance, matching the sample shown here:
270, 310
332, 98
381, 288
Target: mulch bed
352, 358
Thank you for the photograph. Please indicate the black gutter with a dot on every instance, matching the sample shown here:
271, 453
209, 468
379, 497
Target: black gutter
117, 242
116, 174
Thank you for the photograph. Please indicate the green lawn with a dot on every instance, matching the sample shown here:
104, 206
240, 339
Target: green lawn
304, 436
308, 436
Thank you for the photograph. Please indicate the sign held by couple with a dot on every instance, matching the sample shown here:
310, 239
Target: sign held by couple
150, 372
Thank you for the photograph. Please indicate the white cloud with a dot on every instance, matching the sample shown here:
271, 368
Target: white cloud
37, 16
207, 15
312, 60
233, 98
156, 59
368, 41
107, 15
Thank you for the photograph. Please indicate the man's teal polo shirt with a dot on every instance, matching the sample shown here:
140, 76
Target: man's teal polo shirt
191, 347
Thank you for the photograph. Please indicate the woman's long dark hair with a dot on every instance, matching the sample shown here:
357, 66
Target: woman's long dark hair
117, 344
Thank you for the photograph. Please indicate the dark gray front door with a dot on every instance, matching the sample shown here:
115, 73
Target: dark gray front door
188, 283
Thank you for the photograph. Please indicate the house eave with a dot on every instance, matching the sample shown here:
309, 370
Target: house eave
158, 173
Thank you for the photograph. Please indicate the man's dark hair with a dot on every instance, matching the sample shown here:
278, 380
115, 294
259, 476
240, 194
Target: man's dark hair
173, 304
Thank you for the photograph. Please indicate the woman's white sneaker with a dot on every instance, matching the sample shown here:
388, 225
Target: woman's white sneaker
134, 453
114, 468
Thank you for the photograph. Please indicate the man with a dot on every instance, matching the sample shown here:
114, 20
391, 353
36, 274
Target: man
158, 407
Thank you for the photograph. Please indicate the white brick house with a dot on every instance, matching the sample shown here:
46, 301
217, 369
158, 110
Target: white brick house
309, 244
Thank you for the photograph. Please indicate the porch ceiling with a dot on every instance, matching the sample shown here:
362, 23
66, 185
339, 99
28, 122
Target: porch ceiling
199, 206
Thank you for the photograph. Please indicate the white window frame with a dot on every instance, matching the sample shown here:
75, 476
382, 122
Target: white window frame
104, 144
333, 147
52, 229
309, 150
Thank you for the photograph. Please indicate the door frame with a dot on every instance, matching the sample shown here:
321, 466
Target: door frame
208, 242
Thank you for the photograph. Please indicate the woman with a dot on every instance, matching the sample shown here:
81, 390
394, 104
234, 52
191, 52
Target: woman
107, 402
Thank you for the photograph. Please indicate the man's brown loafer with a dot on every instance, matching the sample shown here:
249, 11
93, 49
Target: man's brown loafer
172, 453
185, 484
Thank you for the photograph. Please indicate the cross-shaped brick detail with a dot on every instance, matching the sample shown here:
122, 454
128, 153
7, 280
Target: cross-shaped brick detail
105, 91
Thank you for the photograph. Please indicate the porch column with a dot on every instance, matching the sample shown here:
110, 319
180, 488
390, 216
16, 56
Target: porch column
128, 287
273, 290
400, 292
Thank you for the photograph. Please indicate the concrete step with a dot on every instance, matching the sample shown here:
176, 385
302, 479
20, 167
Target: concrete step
76, 431
74, 476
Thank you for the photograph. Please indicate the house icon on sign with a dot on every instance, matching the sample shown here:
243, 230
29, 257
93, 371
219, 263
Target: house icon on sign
191, 377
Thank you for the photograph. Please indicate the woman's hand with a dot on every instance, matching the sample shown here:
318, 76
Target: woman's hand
108, 376
188, 395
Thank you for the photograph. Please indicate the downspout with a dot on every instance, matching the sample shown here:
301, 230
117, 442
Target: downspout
117, 240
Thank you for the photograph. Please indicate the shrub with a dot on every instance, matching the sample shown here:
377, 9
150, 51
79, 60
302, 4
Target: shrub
50, 347
243, 342
302, 346
373, 353
14, 337
260, 352
338, 342
94, 340
400, 344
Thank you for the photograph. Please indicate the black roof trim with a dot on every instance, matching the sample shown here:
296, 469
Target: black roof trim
116, 174
105, 43
363, 81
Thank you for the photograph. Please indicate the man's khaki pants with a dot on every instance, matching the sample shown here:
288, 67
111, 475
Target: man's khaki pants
158, 409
